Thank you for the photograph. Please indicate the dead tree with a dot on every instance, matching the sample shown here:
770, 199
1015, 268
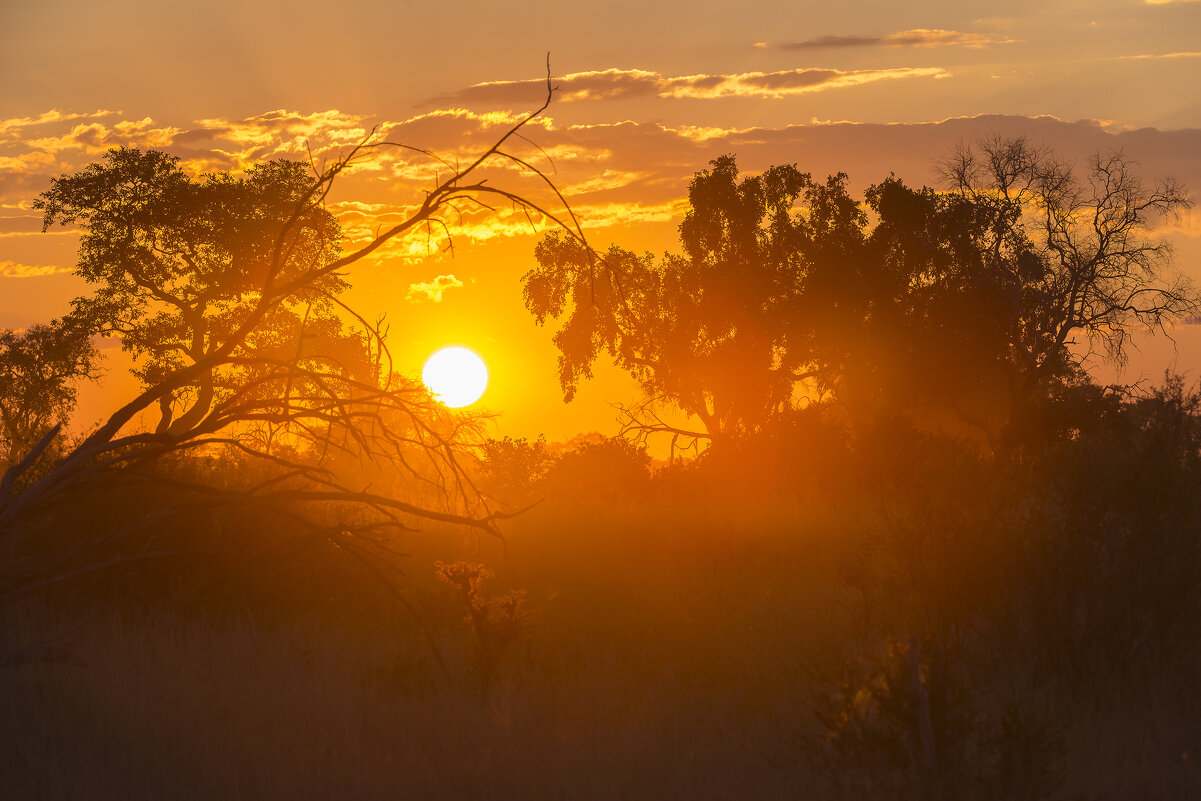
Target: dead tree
1076, 252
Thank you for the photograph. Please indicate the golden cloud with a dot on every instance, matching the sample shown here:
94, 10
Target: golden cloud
95, 137
1187, 224
15, 125
39, 233
605, 215
605, 181
618, 84
615, 173
432, 290
787, 82
285, 129
12, 269
1145, 56
27, 162
235, 144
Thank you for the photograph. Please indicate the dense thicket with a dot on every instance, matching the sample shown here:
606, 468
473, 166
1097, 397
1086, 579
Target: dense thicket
872, 614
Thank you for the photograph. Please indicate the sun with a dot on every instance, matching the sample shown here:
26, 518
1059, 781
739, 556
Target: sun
456, 376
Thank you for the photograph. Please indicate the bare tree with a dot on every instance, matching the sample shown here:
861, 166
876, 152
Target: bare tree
1078, 253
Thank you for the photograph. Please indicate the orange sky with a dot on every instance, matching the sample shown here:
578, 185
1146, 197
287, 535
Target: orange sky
648, 94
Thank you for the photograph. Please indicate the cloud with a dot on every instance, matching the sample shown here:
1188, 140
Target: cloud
917, 37
35, 149
1187, 224
12, 269
15, 125
94, 137
787, 82
618, 84
616, 175
38, 233
276, 133
28, 162
20, 224
1142, 56
610, 214
432, 290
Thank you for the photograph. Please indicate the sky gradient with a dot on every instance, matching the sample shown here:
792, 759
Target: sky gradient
647, 95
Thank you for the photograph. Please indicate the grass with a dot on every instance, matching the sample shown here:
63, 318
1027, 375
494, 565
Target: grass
664, 656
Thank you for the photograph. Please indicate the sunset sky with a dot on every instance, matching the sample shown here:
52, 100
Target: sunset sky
648, 94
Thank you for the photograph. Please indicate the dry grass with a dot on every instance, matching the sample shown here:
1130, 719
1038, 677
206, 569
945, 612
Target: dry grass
664, 658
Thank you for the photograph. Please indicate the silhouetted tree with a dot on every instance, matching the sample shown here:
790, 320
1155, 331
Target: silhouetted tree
225, 291
596, 469
909, 323
1070, 254
512, 468
973, 300
939, 303
714, 332
38, 370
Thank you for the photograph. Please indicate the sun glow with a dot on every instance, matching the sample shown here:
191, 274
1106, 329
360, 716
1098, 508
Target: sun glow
456, 376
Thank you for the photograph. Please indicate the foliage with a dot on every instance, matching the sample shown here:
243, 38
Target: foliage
601, 470
1084, 260
38, 370
588, 469
710, 641
1117, 518
225, 290
496, 622
873, 709
182, 264
714, 331
960, 304
513, 467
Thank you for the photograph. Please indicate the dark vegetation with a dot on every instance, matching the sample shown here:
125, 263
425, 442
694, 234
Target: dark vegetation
919, 555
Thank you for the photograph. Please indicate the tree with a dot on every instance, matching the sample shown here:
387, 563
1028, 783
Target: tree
917, 320
988, 299
225, 290
38, 370
1072, 254
512, 468
936, 303
715, 331
181, 264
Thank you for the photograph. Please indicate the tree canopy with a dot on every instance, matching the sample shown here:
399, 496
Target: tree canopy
182, 263
716, 331
225, 290
961, 302
38, 370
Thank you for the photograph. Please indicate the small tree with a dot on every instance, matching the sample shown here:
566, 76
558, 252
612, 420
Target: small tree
512, 468
39, 367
